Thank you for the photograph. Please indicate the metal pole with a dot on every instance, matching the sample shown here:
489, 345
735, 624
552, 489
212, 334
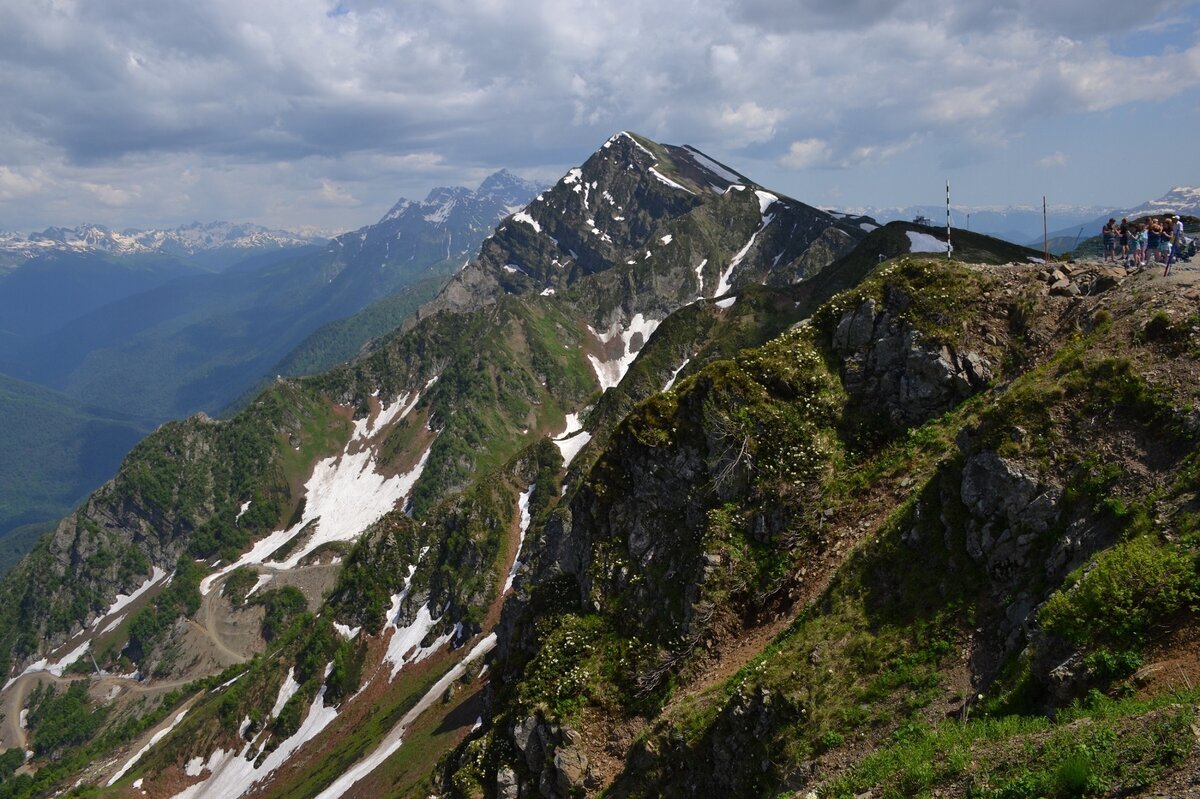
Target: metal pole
948, 247
1045, 232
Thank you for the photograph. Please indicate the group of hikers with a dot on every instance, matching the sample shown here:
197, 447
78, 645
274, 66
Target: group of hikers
1136, 243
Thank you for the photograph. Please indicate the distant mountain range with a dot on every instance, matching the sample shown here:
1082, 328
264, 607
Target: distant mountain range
141, 335
1183, 200
1016, 223
185, 240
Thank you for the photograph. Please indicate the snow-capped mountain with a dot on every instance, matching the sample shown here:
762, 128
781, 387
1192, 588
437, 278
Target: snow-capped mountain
448, 224
183, 240
1179, 200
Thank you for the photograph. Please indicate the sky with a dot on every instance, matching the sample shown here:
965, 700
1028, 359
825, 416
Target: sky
291, 113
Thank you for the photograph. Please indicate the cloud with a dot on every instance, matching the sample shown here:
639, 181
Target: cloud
332, 194
350, 104
1052, 161
806, 153
14, 185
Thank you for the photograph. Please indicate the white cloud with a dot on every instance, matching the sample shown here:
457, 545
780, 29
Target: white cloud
112, 196
253, 101
806, 153
14, 185
1054, 160
749, 123
332, 194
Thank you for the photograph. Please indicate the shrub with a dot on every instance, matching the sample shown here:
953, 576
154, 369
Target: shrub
1122, 594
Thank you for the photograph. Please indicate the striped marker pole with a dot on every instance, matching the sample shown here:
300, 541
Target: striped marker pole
949, 249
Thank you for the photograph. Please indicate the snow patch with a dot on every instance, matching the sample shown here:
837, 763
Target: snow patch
523, 508
344, 496
610, 372
546, 292
232, 775
242, 512
675, 374
527, 219
346, 631
664, 179
262, 580
867, 226
287, 689
394, 739
666, 239
700, 276
723, 285
158, 736
404, 647
923, 242
726, 303
765, 200
712, 166
572, 440
123, 600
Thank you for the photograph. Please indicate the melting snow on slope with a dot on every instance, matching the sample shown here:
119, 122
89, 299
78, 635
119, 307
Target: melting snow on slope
573, 439
765, 200
404, 647
726, 303
723, 285
123, 601
523, 507
232, 775
675, 374
923, 242
609, 373
395, 739
700, 276
712, 166
287, 689
345, 493
666, 239
158, 736
668, 181
527, 219
262, 580
346, 631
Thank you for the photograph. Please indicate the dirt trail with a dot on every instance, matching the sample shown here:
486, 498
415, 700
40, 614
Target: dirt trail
11, 732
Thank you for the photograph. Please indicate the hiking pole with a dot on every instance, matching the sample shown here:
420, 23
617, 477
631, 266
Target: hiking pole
1170, 257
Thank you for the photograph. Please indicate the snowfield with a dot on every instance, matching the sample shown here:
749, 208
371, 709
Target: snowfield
523, 509
610, 372
572, 440
345, 495
924, 242
395, 739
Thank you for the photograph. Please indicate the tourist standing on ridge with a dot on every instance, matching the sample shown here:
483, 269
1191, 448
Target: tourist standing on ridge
1124, 240
1154, 239
1109, 234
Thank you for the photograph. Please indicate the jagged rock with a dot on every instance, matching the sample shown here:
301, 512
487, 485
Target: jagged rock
1064, 288
887, 366
1009, 509
570, 769
526, 735
855, 329
507, 786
